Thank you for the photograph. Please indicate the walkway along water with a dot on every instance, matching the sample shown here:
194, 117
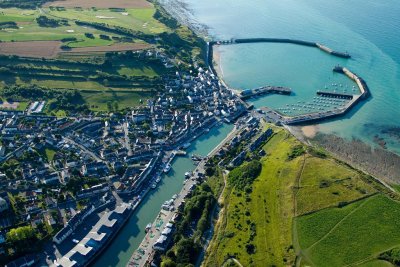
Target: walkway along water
129, 238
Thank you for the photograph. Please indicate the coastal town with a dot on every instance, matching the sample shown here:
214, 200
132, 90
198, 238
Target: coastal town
56, 172
170, 133
61, 173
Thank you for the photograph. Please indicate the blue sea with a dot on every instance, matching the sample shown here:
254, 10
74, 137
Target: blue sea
368, 30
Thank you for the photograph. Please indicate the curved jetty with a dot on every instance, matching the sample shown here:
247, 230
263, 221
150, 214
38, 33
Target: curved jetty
318, 116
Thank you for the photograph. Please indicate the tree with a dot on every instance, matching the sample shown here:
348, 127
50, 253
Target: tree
116, 106
109, 106
21, 238
167, 262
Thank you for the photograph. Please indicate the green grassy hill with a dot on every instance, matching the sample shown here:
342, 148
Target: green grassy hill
311, 210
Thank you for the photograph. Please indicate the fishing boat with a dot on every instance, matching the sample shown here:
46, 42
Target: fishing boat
196, 157
167, 168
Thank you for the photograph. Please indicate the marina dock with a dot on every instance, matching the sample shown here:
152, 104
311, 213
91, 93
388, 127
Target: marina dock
318, 116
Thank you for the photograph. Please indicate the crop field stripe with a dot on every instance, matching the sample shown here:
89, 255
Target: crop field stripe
338, 223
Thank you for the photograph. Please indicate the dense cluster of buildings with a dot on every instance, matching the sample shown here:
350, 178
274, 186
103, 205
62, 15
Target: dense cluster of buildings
50, 166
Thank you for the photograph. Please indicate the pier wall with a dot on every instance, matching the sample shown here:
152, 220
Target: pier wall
274, 40
314, 117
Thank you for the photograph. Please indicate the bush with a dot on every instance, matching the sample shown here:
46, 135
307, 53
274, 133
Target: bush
89, 35
44, 21
244, 175
296, 152
69, 39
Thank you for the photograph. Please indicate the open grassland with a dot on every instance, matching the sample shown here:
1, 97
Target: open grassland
101, 3
270, 207
98, 101
359, 233
17, 15
326, 183
136, 19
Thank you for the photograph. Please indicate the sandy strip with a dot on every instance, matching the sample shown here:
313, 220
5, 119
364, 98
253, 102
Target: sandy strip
310, 131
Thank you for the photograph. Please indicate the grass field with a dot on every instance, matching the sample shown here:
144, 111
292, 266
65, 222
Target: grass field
97, 101
270, 208
139, 19
101, 3
361, 232
325, 183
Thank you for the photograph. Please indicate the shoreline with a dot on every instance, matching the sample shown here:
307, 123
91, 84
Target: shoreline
217, 59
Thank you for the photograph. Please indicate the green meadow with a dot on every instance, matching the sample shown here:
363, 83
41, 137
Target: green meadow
308, 211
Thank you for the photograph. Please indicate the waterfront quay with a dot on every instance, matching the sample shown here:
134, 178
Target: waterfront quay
166, 218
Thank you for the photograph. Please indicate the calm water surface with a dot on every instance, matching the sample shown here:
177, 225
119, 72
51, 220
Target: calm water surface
369, 30
128, 240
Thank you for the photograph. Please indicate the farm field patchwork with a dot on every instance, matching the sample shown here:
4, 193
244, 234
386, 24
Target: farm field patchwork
27, 29
100, 3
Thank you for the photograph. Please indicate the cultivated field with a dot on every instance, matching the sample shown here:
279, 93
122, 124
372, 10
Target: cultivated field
352, 235
110, 48
47, 49
100, 3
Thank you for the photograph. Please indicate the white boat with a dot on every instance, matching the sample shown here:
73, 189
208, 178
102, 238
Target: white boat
167, 168
153, 186
158, 179
186, 145
148, 227
187, 175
